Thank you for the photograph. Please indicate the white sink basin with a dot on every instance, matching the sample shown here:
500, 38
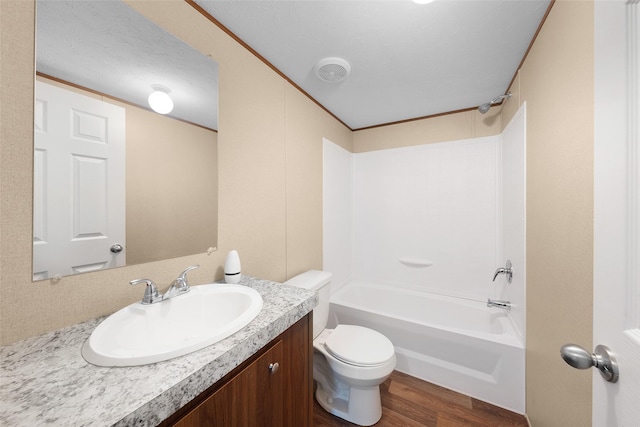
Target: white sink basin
141, 334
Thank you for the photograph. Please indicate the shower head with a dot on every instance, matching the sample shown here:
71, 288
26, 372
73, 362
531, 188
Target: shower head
485, 107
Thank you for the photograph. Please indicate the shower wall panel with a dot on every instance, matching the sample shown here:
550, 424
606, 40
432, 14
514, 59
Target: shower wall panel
429, 217
337, 223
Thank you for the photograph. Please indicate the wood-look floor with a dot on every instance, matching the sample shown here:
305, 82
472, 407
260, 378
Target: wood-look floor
410, 402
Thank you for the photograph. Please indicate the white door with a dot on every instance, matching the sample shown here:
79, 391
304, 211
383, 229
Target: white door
79, 187
617, 209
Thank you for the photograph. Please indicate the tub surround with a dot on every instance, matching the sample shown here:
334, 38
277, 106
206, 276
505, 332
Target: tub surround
437, 217
45, 380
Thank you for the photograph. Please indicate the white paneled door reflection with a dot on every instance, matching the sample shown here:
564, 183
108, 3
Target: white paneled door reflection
79, 183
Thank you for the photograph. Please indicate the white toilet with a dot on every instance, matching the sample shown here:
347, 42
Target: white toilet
349, 362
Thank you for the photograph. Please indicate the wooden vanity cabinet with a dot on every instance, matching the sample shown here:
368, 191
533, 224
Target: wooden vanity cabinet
273, 388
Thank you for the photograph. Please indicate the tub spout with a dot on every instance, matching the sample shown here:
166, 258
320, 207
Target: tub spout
505, 305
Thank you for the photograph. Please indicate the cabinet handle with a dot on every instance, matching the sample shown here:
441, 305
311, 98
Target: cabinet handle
273, 367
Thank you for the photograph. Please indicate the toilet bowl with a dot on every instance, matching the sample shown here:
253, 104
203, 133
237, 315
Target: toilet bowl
349, 362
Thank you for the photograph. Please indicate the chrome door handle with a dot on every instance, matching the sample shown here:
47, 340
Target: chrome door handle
601, 358
116, 249
273, 367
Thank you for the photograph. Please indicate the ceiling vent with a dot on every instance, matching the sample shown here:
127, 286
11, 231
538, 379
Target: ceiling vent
332, 70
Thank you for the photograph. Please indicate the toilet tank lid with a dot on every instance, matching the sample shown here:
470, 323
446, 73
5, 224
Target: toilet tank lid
311, 280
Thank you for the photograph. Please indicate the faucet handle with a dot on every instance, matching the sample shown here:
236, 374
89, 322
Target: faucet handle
180, 285
183, 276
504, 270
151, 293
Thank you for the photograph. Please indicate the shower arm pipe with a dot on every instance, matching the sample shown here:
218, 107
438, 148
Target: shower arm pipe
499, 98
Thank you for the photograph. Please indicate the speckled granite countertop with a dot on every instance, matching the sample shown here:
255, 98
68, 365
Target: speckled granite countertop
45, 381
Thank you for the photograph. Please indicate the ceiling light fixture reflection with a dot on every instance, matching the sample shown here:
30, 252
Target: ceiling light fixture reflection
423, 1
159, 100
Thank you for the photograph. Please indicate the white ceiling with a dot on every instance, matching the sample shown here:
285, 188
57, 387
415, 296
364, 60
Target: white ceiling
408, 60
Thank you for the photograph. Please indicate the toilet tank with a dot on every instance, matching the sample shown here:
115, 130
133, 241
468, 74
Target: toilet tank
317, 281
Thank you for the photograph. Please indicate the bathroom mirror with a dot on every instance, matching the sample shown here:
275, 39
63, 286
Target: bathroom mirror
116, 183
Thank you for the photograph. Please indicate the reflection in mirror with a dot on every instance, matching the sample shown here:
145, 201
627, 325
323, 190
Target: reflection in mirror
114, 182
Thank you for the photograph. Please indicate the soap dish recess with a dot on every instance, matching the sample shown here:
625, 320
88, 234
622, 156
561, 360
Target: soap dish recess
413, 262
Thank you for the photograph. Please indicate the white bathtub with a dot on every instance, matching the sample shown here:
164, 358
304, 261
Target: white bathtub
456, 343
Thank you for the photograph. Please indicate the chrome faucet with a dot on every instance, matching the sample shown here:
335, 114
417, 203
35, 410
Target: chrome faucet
505, 305
151, 294
180, 285
505, 270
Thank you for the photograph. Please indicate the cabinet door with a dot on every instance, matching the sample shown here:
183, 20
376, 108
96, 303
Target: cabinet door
268, 373
251, 399
298, 374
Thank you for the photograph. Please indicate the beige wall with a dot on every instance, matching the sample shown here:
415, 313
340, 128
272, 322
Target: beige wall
270, 178
448, 127
172, 186
556, 81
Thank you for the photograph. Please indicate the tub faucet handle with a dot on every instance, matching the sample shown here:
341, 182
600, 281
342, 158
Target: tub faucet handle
504, 270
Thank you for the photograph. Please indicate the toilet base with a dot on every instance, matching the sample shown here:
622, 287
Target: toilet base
363, 407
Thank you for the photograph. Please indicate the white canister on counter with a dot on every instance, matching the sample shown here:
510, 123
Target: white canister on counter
232, 268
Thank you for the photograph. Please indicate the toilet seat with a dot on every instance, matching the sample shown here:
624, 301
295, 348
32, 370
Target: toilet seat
359, 346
